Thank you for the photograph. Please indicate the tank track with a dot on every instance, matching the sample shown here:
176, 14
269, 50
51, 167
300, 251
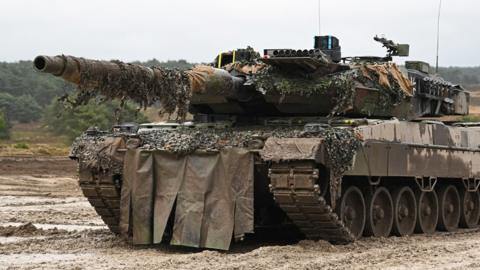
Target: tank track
295, 189
103, 192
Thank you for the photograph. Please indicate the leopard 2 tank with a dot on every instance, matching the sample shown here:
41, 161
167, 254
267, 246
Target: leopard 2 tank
335, 147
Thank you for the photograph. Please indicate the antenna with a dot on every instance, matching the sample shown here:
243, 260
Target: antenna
319, 20
438, 33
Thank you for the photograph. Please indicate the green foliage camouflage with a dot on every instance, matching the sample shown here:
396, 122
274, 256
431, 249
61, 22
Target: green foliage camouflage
339, 87
272, 80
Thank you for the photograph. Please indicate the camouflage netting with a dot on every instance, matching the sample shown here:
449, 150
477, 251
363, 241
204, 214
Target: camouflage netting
93, 152
388, 76
340, 86
144, 86
341, 145
394, 86
186, 140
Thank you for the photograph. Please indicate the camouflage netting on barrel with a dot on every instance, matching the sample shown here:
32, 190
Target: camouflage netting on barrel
108, 80
172, 89
145, 86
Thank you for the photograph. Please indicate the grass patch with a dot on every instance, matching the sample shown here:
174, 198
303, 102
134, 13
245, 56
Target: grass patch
21, 146
470, 118
34, 150
33, 140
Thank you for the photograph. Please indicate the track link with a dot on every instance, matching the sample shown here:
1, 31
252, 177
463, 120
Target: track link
296, 191
103, 192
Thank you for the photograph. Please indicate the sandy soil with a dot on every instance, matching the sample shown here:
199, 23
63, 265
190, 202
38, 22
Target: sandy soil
45, 223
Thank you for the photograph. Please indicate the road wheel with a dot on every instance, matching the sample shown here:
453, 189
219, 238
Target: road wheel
379, 213
470, 209
405, 211
352, 211
449, 208
427, 212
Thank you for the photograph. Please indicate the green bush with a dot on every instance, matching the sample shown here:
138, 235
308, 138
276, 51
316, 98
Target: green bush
4, 126
72, 122
21, 146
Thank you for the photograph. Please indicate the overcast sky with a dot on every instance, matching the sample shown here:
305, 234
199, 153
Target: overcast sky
197, 30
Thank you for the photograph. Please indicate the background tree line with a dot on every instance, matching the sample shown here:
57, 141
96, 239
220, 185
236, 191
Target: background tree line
461, 75
28, 96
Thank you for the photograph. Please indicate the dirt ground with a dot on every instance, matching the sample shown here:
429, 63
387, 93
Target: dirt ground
45, 223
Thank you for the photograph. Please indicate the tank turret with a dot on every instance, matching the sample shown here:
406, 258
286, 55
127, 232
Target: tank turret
283, 82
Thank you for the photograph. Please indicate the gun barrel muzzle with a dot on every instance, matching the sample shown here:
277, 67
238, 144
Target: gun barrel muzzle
70, 68
48, 64
63, 66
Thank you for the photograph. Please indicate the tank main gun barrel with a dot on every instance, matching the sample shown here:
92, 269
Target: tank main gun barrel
76, 70
144, 85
